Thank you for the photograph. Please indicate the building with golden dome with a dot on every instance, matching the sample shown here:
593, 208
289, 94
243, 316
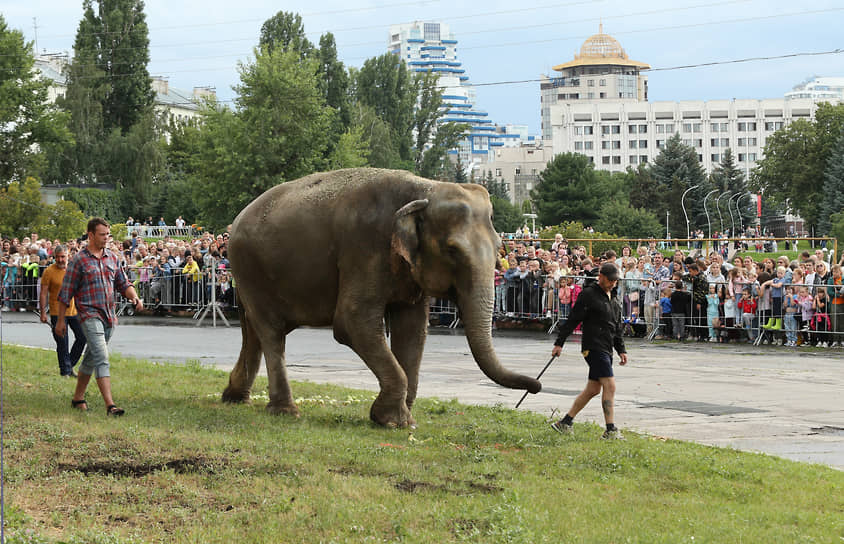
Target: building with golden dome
597, 105
602, 71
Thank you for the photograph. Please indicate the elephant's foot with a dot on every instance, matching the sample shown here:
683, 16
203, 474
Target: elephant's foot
391, 414
236, 396
283, 409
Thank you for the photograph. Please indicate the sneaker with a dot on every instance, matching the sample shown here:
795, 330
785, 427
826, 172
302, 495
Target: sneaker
823, 345
562, 427
615, 434
713, 339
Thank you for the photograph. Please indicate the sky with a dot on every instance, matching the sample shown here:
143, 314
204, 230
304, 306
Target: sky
504, 46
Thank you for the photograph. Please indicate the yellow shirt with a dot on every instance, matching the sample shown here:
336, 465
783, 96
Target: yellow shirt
193, 269
52, 281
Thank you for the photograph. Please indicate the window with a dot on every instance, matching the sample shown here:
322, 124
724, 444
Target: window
591, 159
518, 170
605, 129
605, 145
669, 128
643, 144
578, 131
713, 127
605, 160
498, 172
643, 129
696, 127
616, 145
698, 143
603, 95
713, 142
715, 157
603, 83
590, 82
773, 125
588, 130
725, 127
751, 157
643, 158
616, 159
631, 129
746, 126
660, 129
587, 145
578, 146
590, 95
660, 144
725, 142
634, 159
687, 127
616, 129
632, 144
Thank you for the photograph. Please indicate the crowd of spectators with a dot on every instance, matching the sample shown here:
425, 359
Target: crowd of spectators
684, 295
168, 273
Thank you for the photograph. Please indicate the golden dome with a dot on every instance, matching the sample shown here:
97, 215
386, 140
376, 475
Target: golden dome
601, 49
602, 45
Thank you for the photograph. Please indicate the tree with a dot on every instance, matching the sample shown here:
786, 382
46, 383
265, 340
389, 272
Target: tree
28, 122
569, 189
432, 161
505, 216
833, 187
728, 178
619, 218
110, 101
350, 151
64, 220
284, 31
377, 135
21, 207
675, 170
114, 39
386, 85
278, 132
643, 188
333, 79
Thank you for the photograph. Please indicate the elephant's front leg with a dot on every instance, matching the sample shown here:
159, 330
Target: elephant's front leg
408, 330
364, 333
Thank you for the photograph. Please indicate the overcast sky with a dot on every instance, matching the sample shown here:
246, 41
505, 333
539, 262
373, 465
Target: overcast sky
199, 43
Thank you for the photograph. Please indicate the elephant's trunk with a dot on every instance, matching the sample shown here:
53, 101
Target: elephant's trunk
476, 311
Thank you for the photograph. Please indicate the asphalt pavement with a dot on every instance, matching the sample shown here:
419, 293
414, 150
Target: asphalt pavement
775, 400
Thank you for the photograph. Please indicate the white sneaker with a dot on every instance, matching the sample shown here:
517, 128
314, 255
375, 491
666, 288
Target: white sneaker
823, 344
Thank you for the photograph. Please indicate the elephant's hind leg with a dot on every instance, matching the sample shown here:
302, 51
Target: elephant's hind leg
281, 397
243, 374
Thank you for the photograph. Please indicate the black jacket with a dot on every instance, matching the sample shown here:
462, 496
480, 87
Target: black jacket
601, 321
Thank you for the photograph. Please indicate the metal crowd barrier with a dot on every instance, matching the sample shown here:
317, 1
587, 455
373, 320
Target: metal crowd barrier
159, 231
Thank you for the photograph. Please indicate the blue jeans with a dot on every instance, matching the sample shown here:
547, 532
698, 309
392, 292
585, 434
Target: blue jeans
96, 356
790, 327
68, 360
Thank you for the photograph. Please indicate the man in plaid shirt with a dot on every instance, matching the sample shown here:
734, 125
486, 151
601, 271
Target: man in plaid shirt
91, 279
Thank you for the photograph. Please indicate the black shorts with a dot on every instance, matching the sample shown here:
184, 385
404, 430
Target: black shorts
600, 364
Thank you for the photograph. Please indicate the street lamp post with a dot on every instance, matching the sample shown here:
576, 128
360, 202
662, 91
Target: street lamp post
706, 211
718, 205
738, 210
683, 204
730, 209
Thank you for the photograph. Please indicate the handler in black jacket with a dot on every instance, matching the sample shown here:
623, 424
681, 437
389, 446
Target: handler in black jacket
601, 319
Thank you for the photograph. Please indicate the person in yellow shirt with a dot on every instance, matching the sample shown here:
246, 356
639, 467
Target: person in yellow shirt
191, 273
51, 284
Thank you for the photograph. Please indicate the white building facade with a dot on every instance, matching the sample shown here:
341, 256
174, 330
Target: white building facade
619, 128
431, 46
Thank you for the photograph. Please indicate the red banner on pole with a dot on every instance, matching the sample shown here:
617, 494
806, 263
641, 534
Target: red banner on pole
758, 205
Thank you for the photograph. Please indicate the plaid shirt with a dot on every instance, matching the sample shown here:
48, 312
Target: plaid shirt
91, 281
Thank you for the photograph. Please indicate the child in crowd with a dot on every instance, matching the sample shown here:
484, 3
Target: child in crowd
821, 319
564, 295
665, 313
681, 300
804, 298
776, 286
712, 310
747, 307
790, 320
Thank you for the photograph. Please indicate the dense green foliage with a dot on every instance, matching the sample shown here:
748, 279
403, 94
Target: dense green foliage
833, 187
796, 158
29, 124
23, 211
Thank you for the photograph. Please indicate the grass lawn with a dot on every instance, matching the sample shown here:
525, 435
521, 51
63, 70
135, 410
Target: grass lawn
182, 467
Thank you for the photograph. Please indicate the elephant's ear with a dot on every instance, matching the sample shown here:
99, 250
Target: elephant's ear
405, 230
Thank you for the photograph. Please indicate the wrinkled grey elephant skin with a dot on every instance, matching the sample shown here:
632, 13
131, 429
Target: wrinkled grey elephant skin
351, 249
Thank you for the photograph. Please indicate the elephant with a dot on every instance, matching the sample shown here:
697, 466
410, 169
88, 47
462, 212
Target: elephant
362, 250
